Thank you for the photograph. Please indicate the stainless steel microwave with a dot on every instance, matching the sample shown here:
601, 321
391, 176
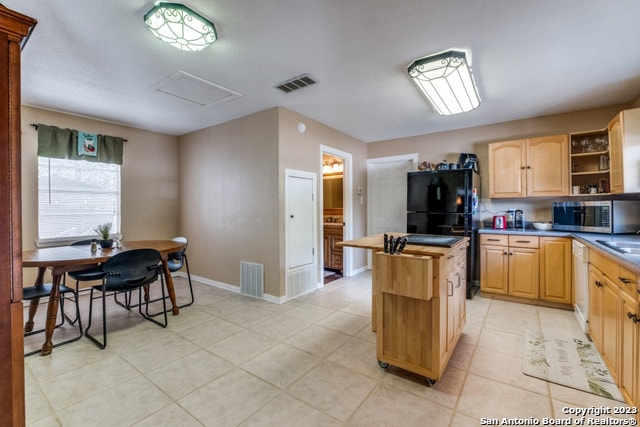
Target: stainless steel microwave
611, 216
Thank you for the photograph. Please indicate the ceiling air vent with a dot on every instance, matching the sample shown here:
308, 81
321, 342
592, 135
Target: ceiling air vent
295, 83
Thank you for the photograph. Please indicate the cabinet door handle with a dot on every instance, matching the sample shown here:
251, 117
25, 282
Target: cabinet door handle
599, 283
523, 241
633, 317
450, 293
493, 240
505, 253
510, 253
624, 280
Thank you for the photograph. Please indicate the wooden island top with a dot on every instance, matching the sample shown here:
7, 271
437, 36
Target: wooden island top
376, 242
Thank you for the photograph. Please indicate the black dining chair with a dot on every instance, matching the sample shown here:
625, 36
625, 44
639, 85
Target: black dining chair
37, 292
87, 275
175, 261
126, 272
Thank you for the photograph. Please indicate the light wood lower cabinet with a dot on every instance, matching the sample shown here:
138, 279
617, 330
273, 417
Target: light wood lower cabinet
509, 265
610, 320
596, 310
555, 269
614, 321
524, 272
629, 351
526, 266
494, 264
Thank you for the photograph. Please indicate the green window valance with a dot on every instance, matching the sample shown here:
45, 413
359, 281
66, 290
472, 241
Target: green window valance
63, 144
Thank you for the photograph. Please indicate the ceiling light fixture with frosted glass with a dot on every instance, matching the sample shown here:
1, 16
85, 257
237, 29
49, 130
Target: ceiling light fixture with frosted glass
181, 27
446, 80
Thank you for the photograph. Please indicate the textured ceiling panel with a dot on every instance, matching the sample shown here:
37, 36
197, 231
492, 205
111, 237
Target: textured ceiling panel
530, 59
193, 89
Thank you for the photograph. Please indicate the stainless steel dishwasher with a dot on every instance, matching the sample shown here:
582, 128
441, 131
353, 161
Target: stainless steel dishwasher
581, 284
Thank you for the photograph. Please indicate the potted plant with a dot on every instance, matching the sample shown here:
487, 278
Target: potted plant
103, 231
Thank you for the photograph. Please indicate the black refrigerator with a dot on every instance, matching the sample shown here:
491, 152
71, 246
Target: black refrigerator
442, 202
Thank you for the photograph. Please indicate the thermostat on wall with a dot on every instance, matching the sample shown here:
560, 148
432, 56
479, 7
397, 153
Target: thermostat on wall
301, 127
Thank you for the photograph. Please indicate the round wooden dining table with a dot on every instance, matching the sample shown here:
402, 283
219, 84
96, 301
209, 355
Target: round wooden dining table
63, 259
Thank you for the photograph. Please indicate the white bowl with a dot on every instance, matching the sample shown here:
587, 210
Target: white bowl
543, 226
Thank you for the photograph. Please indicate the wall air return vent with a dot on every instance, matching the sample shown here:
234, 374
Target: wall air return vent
295, 83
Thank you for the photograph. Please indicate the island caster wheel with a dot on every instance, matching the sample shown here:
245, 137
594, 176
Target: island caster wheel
383, 365
430, 382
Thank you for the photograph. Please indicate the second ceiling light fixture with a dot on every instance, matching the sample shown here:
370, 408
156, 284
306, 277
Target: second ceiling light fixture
445, 79
181, 27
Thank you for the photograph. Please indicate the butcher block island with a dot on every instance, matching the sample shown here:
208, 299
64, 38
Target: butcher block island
418, 300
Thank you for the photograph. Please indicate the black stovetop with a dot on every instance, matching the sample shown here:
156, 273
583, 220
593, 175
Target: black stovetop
432, 240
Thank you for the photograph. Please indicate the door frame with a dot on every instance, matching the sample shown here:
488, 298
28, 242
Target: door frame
347, 209
291, 173
399, 159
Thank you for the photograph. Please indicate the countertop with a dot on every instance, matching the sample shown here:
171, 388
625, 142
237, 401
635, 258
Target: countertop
590, 239
332, 224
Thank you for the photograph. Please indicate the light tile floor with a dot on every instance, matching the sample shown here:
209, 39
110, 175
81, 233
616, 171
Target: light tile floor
232, 360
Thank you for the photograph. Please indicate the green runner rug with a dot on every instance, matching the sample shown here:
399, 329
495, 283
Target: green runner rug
569, 361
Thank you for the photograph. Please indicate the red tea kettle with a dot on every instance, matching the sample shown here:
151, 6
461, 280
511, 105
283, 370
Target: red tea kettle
500, 222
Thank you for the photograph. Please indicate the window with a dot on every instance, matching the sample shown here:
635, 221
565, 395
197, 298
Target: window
74, 197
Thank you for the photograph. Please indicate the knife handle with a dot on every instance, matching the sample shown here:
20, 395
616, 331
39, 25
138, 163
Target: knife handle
394, 245
386, 243
403, 243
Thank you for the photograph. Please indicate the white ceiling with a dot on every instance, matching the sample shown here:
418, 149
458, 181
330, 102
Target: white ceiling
530, 58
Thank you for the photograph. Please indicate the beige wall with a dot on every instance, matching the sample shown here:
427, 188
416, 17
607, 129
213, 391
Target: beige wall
229, 198
149, 177
448, 145
302, 152
232, 191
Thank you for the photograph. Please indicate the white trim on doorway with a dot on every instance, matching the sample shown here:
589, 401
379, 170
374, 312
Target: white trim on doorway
347, 206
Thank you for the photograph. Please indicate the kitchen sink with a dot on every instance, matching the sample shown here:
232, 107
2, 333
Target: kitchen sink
629, 248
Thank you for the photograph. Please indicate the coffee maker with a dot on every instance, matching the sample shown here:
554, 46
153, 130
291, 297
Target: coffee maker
468, 161
515, 219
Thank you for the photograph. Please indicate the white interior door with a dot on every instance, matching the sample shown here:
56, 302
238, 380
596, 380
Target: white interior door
388, 195
300, 219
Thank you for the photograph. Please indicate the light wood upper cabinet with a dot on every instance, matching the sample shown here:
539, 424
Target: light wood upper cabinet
624, 151
548, 160
506, 173
533, 167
